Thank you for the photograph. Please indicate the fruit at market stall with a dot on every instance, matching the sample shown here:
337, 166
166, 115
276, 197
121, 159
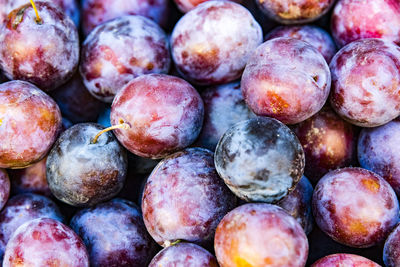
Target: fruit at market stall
311, 34
184, 198
96, 12
120, 50
378, 151
348, 260
365, 82
360, 19
42, 50
165, 115
260, 160
114, 234
391, 250
287, 79
4, 188
83, 171
45, 242
21, 209
355, 207
328, 142
223, 107
212, 43
184, 254
29, 124
260, 235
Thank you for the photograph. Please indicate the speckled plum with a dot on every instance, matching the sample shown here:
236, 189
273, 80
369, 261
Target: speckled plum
29, 124
378, 151
45, 242
348, 260
360, 19
82, 173
294, 11
295, 96
21, 209
96, 12
45, 54
391, 250
311, 34
223, 107
31, 179
75, 102
4, 188
355, 207
114, 234
366, 82
187, 5
239, 242
328, 142
165, 114
184, 199
212, 43
184, 254
298, 204
118, 51
260, 159
70, 7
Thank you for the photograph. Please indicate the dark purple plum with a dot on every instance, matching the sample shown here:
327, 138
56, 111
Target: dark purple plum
391, 250
260, 159
355, 207
4, 188
83, 173
260, 235
114, 234
45, 242
184, 254
184, 199
348, 260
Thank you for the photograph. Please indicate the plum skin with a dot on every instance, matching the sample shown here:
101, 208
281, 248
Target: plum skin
343, 259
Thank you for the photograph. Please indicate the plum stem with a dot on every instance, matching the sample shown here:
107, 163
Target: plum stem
122, 125
38, 18
169, 243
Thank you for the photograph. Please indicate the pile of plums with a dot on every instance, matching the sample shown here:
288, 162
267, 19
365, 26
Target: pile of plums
199, 133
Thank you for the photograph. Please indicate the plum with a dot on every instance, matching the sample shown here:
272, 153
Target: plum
21, 209
29, 124
260, 159
212, 43
44, 52
360, 19
184, 199
120, 50
355, 207
378, 151
223, 107
96, 12
45, 242
348, 260
311, 34
165, 115
114, 234
187, 5
184, 254
328, 142
260, 235
287, 79
298, 204
391, 250
365, 82
4, 188
83, 172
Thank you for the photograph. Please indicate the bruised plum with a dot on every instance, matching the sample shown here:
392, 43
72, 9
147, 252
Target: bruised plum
83, 173
366, 82
212, 43
260, 235
45, 242
391, 250
184, 254
114, 234
165, 115
30, 122
260, 159
348, 260
4, 188
184, 199
44, 53
23, 208
355, 207
298, 204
